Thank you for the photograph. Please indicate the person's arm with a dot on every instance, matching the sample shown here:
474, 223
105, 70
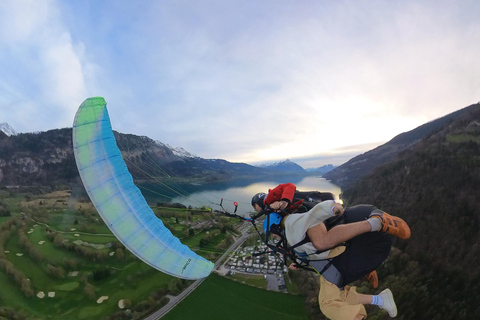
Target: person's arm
326, 209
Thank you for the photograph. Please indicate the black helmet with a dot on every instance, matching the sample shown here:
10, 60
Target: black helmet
258, 199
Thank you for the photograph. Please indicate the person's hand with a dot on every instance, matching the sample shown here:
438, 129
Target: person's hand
279, 205
338, 209
293, 266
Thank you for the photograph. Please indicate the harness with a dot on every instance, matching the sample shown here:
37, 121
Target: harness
288, 252
281, 247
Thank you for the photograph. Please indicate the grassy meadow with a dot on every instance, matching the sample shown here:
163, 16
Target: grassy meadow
58, 260
50, 269
220, 298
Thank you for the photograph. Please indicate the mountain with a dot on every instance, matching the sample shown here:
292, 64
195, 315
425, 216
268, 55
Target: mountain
322, 170
359, 166
433, 185
178, 151
46, 159
7, 129
286, 166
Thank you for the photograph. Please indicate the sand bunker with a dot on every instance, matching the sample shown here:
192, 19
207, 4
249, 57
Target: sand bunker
73, 274
121, 304
102, 298
19, 254
51, 294
93, 245
41, 294
41, 242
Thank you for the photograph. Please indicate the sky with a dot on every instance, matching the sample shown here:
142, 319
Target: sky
316, 82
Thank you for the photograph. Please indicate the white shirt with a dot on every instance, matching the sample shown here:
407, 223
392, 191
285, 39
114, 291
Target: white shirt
296, 226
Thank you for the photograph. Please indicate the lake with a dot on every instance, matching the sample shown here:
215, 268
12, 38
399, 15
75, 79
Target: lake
240, 191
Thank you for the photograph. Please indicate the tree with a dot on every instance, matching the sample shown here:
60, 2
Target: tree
4, 212
175, 286
100, 255
58, 240
99, 275
56, 272
89, 291
26, 287
35, 254
127, 303
70, 264
120, 254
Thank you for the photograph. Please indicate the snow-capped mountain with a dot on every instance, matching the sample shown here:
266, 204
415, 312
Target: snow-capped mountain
284, 166
178, 151
7, 129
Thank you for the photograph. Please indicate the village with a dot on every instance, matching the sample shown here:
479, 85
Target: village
254, 259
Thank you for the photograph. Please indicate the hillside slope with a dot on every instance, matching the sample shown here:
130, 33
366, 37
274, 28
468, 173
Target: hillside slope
359, 166
435, 187
46, 159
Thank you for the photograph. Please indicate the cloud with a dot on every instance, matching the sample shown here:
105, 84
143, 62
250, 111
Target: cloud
240, 80
20, 19
45, 80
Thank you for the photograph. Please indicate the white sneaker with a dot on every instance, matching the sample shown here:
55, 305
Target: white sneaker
388, 303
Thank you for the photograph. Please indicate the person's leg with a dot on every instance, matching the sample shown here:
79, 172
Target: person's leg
364, 298
384, 300
339, 304
323, 239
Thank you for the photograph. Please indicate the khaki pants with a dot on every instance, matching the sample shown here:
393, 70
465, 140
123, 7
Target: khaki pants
339, 304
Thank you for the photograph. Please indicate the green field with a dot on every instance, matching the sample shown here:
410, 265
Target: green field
220, 298
64, 280
128, 279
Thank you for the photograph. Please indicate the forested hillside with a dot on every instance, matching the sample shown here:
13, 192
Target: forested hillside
46, 159
435, 188
356, 168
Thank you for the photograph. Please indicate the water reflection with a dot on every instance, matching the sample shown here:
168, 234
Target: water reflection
240, 191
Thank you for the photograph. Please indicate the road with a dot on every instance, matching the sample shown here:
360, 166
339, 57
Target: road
219, 268
272, 283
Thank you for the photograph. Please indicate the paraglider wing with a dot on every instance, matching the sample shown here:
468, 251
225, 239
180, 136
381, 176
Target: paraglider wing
120, 203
